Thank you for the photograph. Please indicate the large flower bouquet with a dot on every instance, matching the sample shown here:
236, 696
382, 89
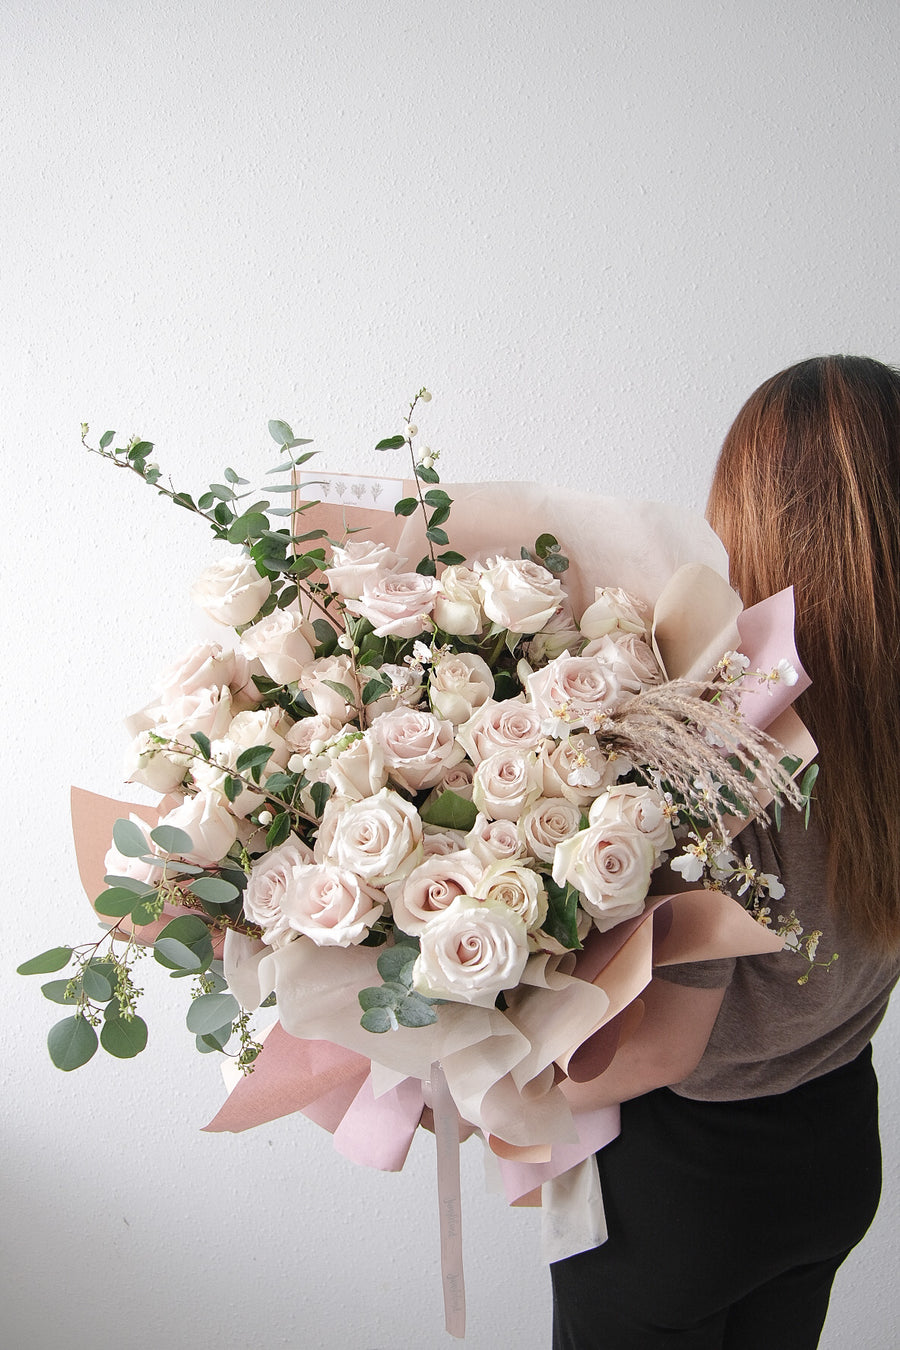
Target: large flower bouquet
444, 809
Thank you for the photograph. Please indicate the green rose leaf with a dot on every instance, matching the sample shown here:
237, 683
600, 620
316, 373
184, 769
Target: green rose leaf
375, 689
406, 506
438, 497
450, 811
391, 443
426, 474
211, 1013
279, 830
53, 959
345, 692
562, 913
123, 1037
71, 1043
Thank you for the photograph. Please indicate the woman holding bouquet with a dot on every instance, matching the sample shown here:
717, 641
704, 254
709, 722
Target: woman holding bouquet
733, 1198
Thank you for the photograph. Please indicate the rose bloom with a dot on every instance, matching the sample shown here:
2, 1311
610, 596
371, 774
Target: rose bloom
510, 724
406, 688
614, 610
356, 563
506, 784
471, 952
327, 701
211, 826
208, 710
148, 762
642, 807
246, 731
356, 768
559, 634
573, 690
268, 882
519, 594
629, 658
549, 822
431, 887
397, 605
205, 665
438, 843
610, 864
284, 644
379, 838
460, 683
331, 905
493, 839
575, 768
231, 591
457, 605
417, 747
516, 885
311, 730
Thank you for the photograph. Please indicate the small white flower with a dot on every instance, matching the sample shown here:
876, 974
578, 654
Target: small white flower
689, 865
733, 665
421, 654
772, 885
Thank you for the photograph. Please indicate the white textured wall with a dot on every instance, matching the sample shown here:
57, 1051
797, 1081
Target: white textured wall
591, 229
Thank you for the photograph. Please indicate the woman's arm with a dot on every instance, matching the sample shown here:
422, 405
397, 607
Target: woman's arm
665, 1048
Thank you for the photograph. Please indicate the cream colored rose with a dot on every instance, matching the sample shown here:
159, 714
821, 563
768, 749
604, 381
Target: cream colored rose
148, 762
614, 610
331, 905
610, 864
406, 688
205, 665
397, 605
629, 658
493, 839
572, 692
471, 952
506, 784
457, 605
245, 731
328, 702
431, 887
510, 724
519, 594
516, 885
208, 710
438, 843
311, 731
284, 644
642, 807
356, 768
231, 591
379, 838
559, 634
269, 880
211, 826
550, 822
460, 682
575, 768
417, 747
356, 563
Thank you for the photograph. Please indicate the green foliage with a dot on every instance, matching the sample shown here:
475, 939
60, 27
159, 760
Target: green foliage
450, 811
395, 1003
53, 959
561, 922
71, 1043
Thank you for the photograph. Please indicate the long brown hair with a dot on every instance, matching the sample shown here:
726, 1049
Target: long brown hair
806, 492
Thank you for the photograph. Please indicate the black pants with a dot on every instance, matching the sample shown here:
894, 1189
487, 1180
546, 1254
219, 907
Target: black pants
727, 1220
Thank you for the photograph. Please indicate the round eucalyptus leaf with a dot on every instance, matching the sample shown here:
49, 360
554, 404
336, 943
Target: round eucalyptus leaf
71, 1043
171, 840
95, 984
129, 838
55, 991
123, 1037
211, 1013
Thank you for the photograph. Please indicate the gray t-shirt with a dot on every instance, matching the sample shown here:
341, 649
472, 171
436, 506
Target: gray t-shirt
772, 1033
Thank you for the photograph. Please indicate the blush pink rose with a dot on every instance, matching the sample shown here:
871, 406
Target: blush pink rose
358, 562
418, 748
331, 905
610, 864
397, 605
